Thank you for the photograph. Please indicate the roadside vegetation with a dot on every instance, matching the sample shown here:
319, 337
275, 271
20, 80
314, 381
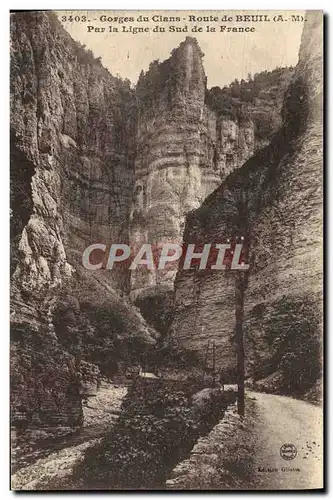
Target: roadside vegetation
157, 428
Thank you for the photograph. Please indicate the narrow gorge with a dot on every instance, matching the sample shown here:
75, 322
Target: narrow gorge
274, 204
95, 159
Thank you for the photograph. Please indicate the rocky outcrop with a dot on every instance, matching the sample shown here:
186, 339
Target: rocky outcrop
207, 461
189, 139
72, 124
275, 202
72, 132
174, 166
259, 100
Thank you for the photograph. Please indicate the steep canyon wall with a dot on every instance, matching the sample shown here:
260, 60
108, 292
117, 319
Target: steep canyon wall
188, 140
275, 202
72, 159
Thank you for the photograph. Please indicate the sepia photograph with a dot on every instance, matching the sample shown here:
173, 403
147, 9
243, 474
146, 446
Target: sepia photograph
166, 250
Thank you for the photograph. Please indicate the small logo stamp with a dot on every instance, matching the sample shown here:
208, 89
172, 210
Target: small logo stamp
288, 451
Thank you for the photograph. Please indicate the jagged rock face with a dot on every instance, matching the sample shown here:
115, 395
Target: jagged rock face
235, 144
74, 122
44, 386
72, 131
174, 167
187, 143
275, 202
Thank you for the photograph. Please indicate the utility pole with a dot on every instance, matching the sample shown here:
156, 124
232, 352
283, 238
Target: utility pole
242, 278
214, 362
206, 359
211, 370
239, 296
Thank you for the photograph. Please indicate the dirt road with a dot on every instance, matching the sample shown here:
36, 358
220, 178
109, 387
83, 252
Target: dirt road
284, 420
270, 423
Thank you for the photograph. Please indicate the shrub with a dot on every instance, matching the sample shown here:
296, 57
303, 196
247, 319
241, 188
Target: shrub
293, 337
157, 428
97, 325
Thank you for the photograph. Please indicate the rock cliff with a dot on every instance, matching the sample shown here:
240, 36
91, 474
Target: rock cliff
72, 133
188, 140
274, 201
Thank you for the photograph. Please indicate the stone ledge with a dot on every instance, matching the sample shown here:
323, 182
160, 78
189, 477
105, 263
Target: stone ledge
205, 454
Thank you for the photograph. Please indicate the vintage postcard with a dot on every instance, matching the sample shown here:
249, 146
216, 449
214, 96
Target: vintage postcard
166, 187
